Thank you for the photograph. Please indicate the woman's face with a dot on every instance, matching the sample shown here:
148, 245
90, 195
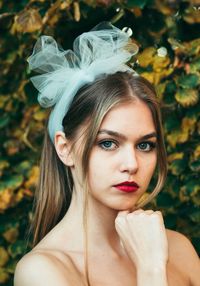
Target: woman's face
125, 151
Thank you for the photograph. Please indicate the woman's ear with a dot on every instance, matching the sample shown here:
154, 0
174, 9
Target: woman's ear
63, 149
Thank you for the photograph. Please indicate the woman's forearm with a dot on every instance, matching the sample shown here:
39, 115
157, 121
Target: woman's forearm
154, 276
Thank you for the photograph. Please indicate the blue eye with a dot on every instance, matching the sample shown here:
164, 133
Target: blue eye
108, 145
146, 146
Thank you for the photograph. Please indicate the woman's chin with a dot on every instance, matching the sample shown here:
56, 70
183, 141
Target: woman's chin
125, 207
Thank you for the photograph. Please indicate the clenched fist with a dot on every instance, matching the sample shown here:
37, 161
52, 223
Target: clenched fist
143, 236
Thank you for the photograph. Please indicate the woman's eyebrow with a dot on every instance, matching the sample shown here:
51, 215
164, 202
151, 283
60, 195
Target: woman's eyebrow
122, 136
150, 135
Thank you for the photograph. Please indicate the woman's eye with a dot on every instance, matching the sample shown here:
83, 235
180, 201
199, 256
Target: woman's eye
146, 146
108, 145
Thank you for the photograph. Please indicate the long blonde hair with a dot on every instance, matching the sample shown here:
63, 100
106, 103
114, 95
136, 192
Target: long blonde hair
90, 105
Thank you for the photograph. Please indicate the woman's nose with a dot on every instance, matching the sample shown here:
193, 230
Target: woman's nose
129, 162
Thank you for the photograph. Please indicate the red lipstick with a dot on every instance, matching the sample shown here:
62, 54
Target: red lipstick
127, 187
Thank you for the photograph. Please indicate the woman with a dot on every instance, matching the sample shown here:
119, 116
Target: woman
103, 145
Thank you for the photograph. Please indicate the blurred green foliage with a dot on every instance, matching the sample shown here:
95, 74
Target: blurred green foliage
168, 34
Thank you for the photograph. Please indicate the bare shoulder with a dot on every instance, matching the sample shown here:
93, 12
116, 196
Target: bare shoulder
38, 268
183, 255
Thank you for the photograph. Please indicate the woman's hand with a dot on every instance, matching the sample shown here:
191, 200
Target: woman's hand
143, 236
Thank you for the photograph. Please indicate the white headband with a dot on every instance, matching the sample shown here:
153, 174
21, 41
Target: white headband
103, 50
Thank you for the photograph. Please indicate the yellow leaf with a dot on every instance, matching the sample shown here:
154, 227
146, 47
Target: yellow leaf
161, 74
19, 195
40, 115
188, 48
175, 156
160, 63
52, 16
18, 133
149, 76
188, 124
65, 4
160, 88
27, 116
177, 137
27, 21
9, 106
11, 234
20, 93
164, 7
4, 276
3, 100
4, 257
53, 20
181, 136
77, 13
33, 177
175, 44
197, 152
145, 58
3, 165
183, 194
5, 199
192, 16
187, 97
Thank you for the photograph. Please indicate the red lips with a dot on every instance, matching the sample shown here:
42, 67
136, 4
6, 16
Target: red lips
127, 187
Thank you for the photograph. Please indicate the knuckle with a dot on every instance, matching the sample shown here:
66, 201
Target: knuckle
130, 216
138, 211
150, 211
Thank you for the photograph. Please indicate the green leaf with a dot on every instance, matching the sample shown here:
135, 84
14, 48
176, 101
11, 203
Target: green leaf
188, 81
11, 266
195, 66
191, 188
178, 166
187, 97
11, 182
169, 92
137, 3
195, 216
170, 221
17, 248
165, 200
4, 164
23, 167
195, 166
172, 122
4, 120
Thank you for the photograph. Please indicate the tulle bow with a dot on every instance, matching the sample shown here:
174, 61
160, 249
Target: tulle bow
103, 50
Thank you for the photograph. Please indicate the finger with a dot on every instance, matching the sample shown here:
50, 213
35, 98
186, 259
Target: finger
157, 214
139, 211
149, 212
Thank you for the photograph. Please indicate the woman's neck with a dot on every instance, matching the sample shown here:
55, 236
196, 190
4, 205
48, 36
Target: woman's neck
101, 227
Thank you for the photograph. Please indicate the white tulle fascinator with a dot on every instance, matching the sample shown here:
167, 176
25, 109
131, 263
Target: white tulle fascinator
103, 50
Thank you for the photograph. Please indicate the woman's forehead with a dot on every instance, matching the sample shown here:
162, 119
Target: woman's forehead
131, 117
